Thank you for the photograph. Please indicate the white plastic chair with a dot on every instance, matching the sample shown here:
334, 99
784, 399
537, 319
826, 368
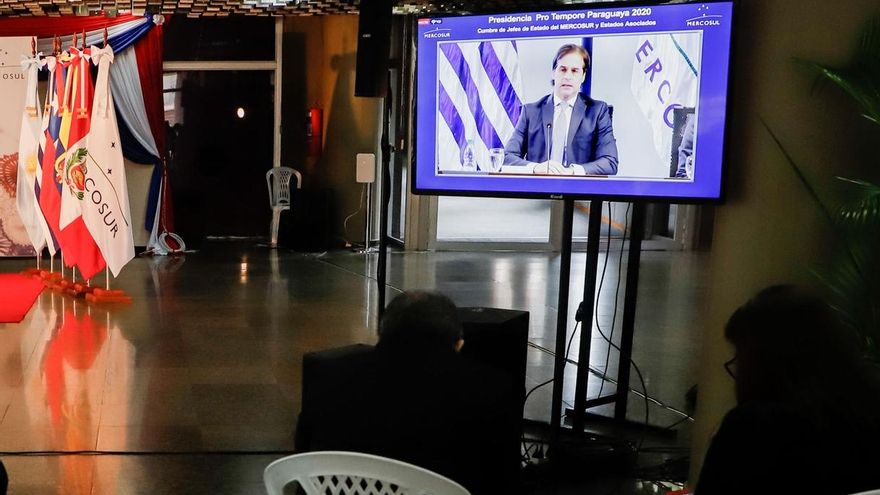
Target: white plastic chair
278, 181
353, 473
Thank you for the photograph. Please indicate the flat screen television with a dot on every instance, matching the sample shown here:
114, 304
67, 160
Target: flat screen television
614, 101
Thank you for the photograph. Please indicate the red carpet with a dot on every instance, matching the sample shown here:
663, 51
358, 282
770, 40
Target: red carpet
17, 295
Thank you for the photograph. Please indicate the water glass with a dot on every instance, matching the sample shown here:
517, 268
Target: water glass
496, 158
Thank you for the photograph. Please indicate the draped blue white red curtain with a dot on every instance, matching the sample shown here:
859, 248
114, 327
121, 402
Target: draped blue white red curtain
136, 80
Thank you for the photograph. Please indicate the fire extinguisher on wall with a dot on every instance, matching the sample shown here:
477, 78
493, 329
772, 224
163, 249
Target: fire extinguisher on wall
315, 131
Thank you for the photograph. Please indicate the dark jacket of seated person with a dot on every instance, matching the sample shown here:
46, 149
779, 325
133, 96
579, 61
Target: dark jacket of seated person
807, 418
414, 398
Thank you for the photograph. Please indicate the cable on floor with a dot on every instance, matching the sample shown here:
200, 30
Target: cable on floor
599, 374
320, 257
345, 222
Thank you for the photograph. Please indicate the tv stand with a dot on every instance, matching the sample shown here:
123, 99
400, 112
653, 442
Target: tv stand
619, 398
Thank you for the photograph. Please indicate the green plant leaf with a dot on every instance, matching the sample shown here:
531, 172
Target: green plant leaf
860, 78
852, 275
800, 174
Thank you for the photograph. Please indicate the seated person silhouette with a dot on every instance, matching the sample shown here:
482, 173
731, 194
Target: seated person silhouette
807, 418
414, 398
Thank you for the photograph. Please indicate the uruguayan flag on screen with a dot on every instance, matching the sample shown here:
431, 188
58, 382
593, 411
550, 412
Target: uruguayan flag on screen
479, 99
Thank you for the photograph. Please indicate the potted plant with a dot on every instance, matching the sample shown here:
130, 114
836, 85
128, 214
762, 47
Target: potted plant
852, 277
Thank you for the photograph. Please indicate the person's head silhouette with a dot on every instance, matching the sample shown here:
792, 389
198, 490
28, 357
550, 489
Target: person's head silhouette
789, 343
424, 321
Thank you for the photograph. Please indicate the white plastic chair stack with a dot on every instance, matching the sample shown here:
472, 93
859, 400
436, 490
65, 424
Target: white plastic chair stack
278, 181
352, 473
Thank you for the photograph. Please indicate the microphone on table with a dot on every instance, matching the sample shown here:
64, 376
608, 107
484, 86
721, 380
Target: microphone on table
548, 139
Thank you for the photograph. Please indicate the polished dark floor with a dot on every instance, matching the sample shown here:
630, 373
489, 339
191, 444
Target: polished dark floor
195, 386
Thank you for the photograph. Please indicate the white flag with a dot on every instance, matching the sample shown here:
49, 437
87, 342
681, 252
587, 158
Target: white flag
28, 165
105, 208
665, 77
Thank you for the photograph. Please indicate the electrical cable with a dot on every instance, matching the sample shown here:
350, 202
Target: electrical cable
320, 257
345, 222
536, 387
608, 339
641, 379
602, 278
599, 292
637, 393
616, 289
568, 348
678, 422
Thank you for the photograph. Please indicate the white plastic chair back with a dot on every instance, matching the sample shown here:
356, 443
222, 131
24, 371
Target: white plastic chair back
278, 181
352, 473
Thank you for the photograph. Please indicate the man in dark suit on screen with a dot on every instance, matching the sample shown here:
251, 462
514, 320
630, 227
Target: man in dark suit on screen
565, 133
415, 399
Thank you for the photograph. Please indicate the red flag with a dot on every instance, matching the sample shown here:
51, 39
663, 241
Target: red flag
50, 195
68, 125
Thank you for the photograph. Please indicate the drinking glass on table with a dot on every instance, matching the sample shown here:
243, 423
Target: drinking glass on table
496, 159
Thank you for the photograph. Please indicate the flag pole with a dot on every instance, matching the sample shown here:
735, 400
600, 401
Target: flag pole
52, 263
62, 264
107, 276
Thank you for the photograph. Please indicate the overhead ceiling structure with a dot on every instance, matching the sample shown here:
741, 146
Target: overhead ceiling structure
220, 8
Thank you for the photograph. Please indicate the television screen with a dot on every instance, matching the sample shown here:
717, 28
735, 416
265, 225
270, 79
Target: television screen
613, 102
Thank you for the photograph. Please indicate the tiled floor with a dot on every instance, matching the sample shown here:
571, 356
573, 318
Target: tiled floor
195, 386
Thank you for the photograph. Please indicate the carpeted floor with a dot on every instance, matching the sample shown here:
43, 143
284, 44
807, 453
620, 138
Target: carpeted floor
17, 295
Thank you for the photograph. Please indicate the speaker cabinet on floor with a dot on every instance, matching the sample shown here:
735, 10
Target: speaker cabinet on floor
498, 338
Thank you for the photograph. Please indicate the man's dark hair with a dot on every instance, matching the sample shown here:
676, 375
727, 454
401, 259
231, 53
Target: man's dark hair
789, 344
420, 319
569, 48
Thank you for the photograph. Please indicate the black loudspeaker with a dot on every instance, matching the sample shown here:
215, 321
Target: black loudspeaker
498, 338
494, 337
309, 224
374, 37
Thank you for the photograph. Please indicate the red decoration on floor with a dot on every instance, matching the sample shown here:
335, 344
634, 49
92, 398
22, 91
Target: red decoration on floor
17, 295
53, 281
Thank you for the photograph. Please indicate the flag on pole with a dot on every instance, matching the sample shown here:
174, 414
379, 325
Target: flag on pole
105, 206
479, 99
75, 127
28, 144
665, 77
67, 126
49, 195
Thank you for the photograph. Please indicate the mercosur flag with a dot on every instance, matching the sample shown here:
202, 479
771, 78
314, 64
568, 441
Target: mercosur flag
105, 207
664, 77
28, 144
78, 246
